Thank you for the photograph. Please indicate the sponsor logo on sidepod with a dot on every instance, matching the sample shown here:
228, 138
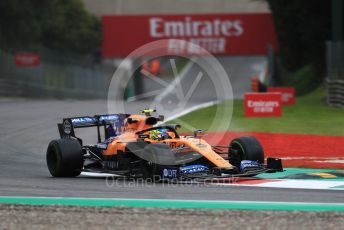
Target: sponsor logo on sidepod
193, 169
170, 173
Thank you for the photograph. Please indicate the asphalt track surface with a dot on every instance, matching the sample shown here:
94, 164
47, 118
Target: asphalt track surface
27, 126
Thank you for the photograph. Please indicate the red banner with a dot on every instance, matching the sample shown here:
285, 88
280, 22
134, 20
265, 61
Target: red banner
263, 104
288, 94
27, 59
219, 34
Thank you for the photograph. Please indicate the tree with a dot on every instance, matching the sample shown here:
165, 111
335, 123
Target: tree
302, 26
62, 25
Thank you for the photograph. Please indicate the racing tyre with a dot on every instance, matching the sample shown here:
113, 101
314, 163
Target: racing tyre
245, 148
64, 158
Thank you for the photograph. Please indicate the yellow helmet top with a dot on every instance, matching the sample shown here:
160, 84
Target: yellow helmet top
147, 112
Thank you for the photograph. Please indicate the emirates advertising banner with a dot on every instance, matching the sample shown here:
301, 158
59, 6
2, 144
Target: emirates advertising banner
263, 104
27, 59
288, 94
219, 34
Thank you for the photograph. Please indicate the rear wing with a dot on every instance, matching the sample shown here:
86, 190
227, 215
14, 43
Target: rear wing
66, 128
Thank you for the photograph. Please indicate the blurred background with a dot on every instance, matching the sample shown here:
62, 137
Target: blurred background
69, 49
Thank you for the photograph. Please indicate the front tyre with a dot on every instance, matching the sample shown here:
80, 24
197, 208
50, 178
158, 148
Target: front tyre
245, 148
64, 158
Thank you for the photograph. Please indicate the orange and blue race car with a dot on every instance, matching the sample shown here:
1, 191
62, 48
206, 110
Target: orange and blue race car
141, 146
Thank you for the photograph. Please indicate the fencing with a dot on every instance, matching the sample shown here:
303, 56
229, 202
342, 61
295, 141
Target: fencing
335, 73
53, 77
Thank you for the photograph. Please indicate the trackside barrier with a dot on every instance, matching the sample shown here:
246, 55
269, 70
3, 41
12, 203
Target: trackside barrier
263, 104
335, 73
335, 93
31, 75
10, 88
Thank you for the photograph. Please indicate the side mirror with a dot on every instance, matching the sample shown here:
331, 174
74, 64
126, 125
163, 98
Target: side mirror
198, 133
131, 121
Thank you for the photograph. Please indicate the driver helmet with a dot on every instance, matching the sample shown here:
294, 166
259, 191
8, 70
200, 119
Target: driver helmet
158, 134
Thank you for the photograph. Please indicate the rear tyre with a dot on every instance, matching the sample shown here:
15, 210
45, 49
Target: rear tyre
245, 148
64, 158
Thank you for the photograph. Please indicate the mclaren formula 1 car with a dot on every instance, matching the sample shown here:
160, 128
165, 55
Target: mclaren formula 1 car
141, 146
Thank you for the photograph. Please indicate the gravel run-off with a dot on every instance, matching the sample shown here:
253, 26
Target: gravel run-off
76, 217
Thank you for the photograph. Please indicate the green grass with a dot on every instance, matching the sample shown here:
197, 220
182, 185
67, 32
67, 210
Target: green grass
310, 115
304, 80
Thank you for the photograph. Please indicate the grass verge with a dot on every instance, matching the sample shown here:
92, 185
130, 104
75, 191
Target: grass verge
310, 115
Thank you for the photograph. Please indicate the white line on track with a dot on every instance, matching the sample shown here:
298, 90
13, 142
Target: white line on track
312, 158
271, 183
331, 161
294, 184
